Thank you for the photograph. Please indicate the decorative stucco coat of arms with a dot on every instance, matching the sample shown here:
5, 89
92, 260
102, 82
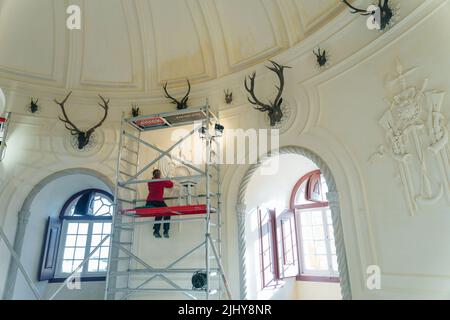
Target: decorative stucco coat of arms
417, 139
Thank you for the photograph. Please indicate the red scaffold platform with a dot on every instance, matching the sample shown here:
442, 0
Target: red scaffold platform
167, 211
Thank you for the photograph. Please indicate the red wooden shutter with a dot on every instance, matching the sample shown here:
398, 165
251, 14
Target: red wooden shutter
287, 245
50, 252
268, 248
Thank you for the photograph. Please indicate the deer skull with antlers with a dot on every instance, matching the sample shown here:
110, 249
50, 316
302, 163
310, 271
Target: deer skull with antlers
273, 109
180, 104
383, 10
82, 136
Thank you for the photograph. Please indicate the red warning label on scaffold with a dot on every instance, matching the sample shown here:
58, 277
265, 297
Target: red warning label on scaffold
150, 122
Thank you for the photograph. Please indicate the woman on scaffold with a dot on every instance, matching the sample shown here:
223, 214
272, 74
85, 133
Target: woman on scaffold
155, 199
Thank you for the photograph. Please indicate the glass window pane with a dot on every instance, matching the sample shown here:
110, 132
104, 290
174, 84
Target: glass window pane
306, 219
307, 233
83, 228
104, 252
76, 263
72, 228
71, 241
318, 232
311, 262
79, 253
107, 241
97, 228
101, 206
96, 254
103, 265
323, 262
106, 202
107, 228
68, 253
93, 265
96, 239
67, 266
103, 210
81, 241
317, 218
320, 247
300, 196
308, 247
96, 205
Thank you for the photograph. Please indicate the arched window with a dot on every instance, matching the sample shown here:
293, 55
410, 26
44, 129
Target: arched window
316, 245
85, 220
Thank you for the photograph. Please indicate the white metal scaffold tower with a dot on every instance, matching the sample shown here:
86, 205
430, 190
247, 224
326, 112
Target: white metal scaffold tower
128, 208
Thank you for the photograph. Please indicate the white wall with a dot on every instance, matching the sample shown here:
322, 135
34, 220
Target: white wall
48, 203
336, 111
307, 290
2, 101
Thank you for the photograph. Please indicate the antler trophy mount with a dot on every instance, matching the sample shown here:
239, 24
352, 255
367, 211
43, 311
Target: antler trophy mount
381, 14
83, 136
273, 108
181, 104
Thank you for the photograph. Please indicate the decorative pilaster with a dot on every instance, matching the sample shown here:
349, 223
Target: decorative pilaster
333, 201
240, 213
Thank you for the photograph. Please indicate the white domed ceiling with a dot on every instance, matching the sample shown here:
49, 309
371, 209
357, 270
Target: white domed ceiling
133, 46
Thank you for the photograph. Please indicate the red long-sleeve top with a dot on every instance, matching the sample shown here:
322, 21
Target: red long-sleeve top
156, 190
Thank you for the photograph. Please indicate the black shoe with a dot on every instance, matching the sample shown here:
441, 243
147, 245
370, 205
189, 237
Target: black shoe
156, 234
166, 234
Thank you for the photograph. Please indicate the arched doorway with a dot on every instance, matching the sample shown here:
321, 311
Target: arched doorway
332, 195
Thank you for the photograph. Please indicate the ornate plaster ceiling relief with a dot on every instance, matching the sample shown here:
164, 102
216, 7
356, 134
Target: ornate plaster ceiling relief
20, 43
312, 12
183, 49
243, 38
141, 44
108, 39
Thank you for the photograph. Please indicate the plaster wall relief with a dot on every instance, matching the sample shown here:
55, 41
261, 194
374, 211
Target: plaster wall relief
416, 136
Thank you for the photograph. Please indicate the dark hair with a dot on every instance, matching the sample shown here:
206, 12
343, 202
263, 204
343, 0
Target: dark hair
156, 170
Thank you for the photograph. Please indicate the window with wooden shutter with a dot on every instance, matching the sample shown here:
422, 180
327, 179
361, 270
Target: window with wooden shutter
287, 245
316, 245
50, 252
84, 222
268, 247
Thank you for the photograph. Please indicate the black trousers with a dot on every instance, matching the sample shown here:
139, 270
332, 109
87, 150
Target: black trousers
157, 226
